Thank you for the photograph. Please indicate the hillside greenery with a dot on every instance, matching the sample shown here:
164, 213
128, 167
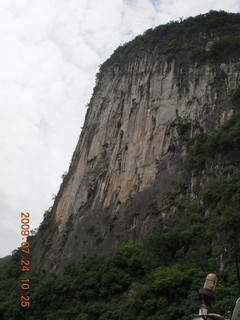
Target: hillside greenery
185, 35
225, 140
153, 280
222, 141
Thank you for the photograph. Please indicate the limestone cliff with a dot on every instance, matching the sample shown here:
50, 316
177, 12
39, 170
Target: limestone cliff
151, 97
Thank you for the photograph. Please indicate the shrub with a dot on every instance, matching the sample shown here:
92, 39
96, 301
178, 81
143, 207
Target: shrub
205, 146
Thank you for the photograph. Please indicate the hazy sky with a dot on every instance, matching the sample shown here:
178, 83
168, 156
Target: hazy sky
50, 51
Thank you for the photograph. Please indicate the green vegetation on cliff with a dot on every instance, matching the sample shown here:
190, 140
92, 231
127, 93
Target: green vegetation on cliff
225, 140
185, 35
154, 280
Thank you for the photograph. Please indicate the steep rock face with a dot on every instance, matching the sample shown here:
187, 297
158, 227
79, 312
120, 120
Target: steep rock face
131, 150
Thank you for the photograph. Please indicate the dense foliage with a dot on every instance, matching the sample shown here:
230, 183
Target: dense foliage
225, 140
156, 280
219, 49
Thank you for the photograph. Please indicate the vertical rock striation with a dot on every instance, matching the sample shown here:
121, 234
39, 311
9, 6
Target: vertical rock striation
132, 145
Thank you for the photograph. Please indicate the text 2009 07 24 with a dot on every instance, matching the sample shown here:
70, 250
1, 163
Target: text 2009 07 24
25, 261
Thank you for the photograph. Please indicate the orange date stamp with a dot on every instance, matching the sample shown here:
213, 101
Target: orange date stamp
25, 259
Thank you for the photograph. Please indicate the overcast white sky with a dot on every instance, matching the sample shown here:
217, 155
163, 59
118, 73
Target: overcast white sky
50, 51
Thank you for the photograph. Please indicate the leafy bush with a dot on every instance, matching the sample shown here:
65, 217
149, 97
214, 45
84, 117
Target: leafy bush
205, 146
235, 96
225, 46
220, 48
46, 220
199, 54
222, 196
